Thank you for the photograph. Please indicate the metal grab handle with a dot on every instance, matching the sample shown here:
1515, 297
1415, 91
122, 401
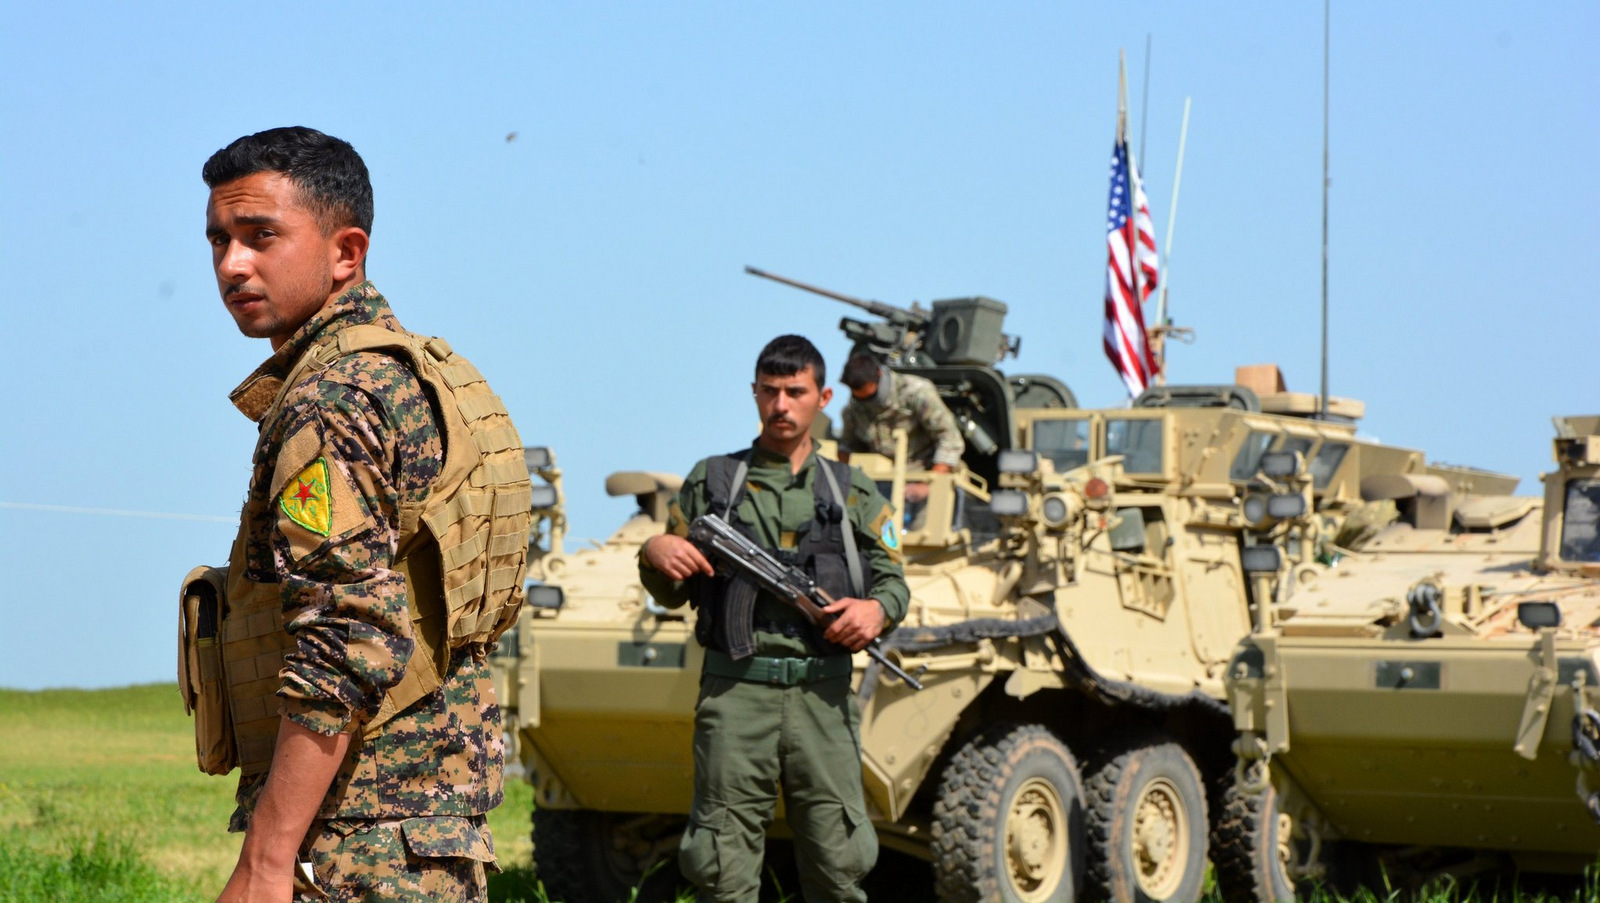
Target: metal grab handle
659, 611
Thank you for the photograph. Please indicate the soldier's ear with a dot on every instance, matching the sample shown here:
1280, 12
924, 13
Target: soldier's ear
347, 251
827, 395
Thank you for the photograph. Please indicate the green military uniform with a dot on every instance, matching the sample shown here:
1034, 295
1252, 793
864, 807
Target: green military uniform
910, 403
784, 720
347, 449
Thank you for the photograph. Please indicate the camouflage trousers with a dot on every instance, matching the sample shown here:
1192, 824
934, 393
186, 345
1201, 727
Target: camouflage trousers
438, 859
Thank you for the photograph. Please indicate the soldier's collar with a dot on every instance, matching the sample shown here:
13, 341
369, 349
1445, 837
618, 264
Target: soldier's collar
885, 387
761, 457
358, 304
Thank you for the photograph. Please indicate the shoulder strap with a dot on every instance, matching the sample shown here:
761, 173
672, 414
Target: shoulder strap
725, 477
319, 356
852, 560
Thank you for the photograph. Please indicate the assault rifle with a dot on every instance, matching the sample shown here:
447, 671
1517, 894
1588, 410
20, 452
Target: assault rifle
730, 548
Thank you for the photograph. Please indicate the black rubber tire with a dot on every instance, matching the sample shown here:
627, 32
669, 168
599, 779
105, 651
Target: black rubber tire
1113, 791
1245, 849
571, 857
977, 793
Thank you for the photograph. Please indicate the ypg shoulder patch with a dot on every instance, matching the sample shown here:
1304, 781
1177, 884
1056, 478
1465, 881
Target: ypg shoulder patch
891, 539
306, 499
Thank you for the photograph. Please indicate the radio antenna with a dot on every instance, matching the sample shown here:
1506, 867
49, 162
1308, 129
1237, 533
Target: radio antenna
1322, 407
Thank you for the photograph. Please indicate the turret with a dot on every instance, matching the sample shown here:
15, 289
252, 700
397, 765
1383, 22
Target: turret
1571, 539
956, 344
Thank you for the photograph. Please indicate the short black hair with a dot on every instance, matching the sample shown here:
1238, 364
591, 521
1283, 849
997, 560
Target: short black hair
330, 175
787, 355
859, 370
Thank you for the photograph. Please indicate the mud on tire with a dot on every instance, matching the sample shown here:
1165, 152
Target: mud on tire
1008, 822
1251, 843
1147, 826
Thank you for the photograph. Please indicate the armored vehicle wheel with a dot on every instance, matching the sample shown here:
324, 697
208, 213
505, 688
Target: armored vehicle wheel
1253, 846
1147, 826
583, 856
1008, 823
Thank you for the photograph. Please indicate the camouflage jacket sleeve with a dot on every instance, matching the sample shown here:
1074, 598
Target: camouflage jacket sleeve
690, 504
929, 412
356, 443
853, 429
879, 536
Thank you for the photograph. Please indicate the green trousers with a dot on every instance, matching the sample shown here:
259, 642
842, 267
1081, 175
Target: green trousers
753, 741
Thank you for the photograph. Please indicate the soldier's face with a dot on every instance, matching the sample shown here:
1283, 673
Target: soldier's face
275, 267
864, 392
789, 404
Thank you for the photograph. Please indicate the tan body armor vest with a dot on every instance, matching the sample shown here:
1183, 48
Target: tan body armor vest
462, 551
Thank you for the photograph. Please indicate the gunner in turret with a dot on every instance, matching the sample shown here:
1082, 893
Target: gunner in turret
882, 401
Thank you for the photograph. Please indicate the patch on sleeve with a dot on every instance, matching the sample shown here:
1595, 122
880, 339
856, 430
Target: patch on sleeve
888, 535
677, 524
316, 503
306, 499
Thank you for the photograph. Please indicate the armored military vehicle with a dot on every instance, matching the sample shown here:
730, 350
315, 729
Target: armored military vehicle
1431, 692
1078, 588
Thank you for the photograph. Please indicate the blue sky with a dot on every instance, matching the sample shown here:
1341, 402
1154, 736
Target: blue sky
898, 151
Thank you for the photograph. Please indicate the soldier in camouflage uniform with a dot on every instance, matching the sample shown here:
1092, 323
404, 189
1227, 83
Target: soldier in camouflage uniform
882, 401
776, 713
341, 815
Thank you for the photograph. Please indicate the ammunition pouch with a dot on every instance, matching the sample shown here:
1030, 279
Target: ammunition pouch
201, 603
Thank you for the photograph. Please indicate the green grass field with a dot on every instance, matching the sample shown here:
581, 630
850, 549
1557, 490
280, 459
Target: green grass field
100, 801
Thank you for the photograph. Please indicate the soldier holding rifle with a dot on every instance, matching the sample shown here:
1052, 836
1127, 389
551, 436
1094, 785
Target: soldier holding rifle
776, 712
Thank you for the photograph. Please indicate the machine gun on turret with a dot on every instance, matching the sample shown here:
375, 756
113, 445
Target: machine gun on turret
898, 336
957, 344
955, 332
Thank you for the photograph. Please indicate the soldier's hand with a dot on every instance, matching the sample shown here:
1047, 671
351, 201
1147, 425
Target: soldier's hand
246, 885
676, 557
856, 622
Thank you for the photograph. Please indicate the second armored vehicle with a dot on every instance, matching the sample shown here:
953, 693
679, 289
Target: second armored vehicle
1432, 696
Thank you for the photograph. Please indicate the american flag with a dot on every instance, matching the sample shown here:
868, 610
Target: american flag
1125, 339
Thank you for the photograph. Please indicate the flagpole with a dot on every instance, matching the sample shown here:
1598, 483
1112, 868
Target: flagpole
1127, 151
1131, 226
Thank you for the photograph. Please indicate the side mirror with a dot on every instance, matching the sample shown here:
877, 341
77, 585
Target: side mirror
543, 497
1286, 507
1018, 460
1538, 615
538, 457
1280, 464
1008, 503
543, 595
1260, 559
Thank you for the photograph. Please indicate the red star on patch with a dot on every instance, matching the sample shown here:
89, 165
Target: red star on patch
304, 494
